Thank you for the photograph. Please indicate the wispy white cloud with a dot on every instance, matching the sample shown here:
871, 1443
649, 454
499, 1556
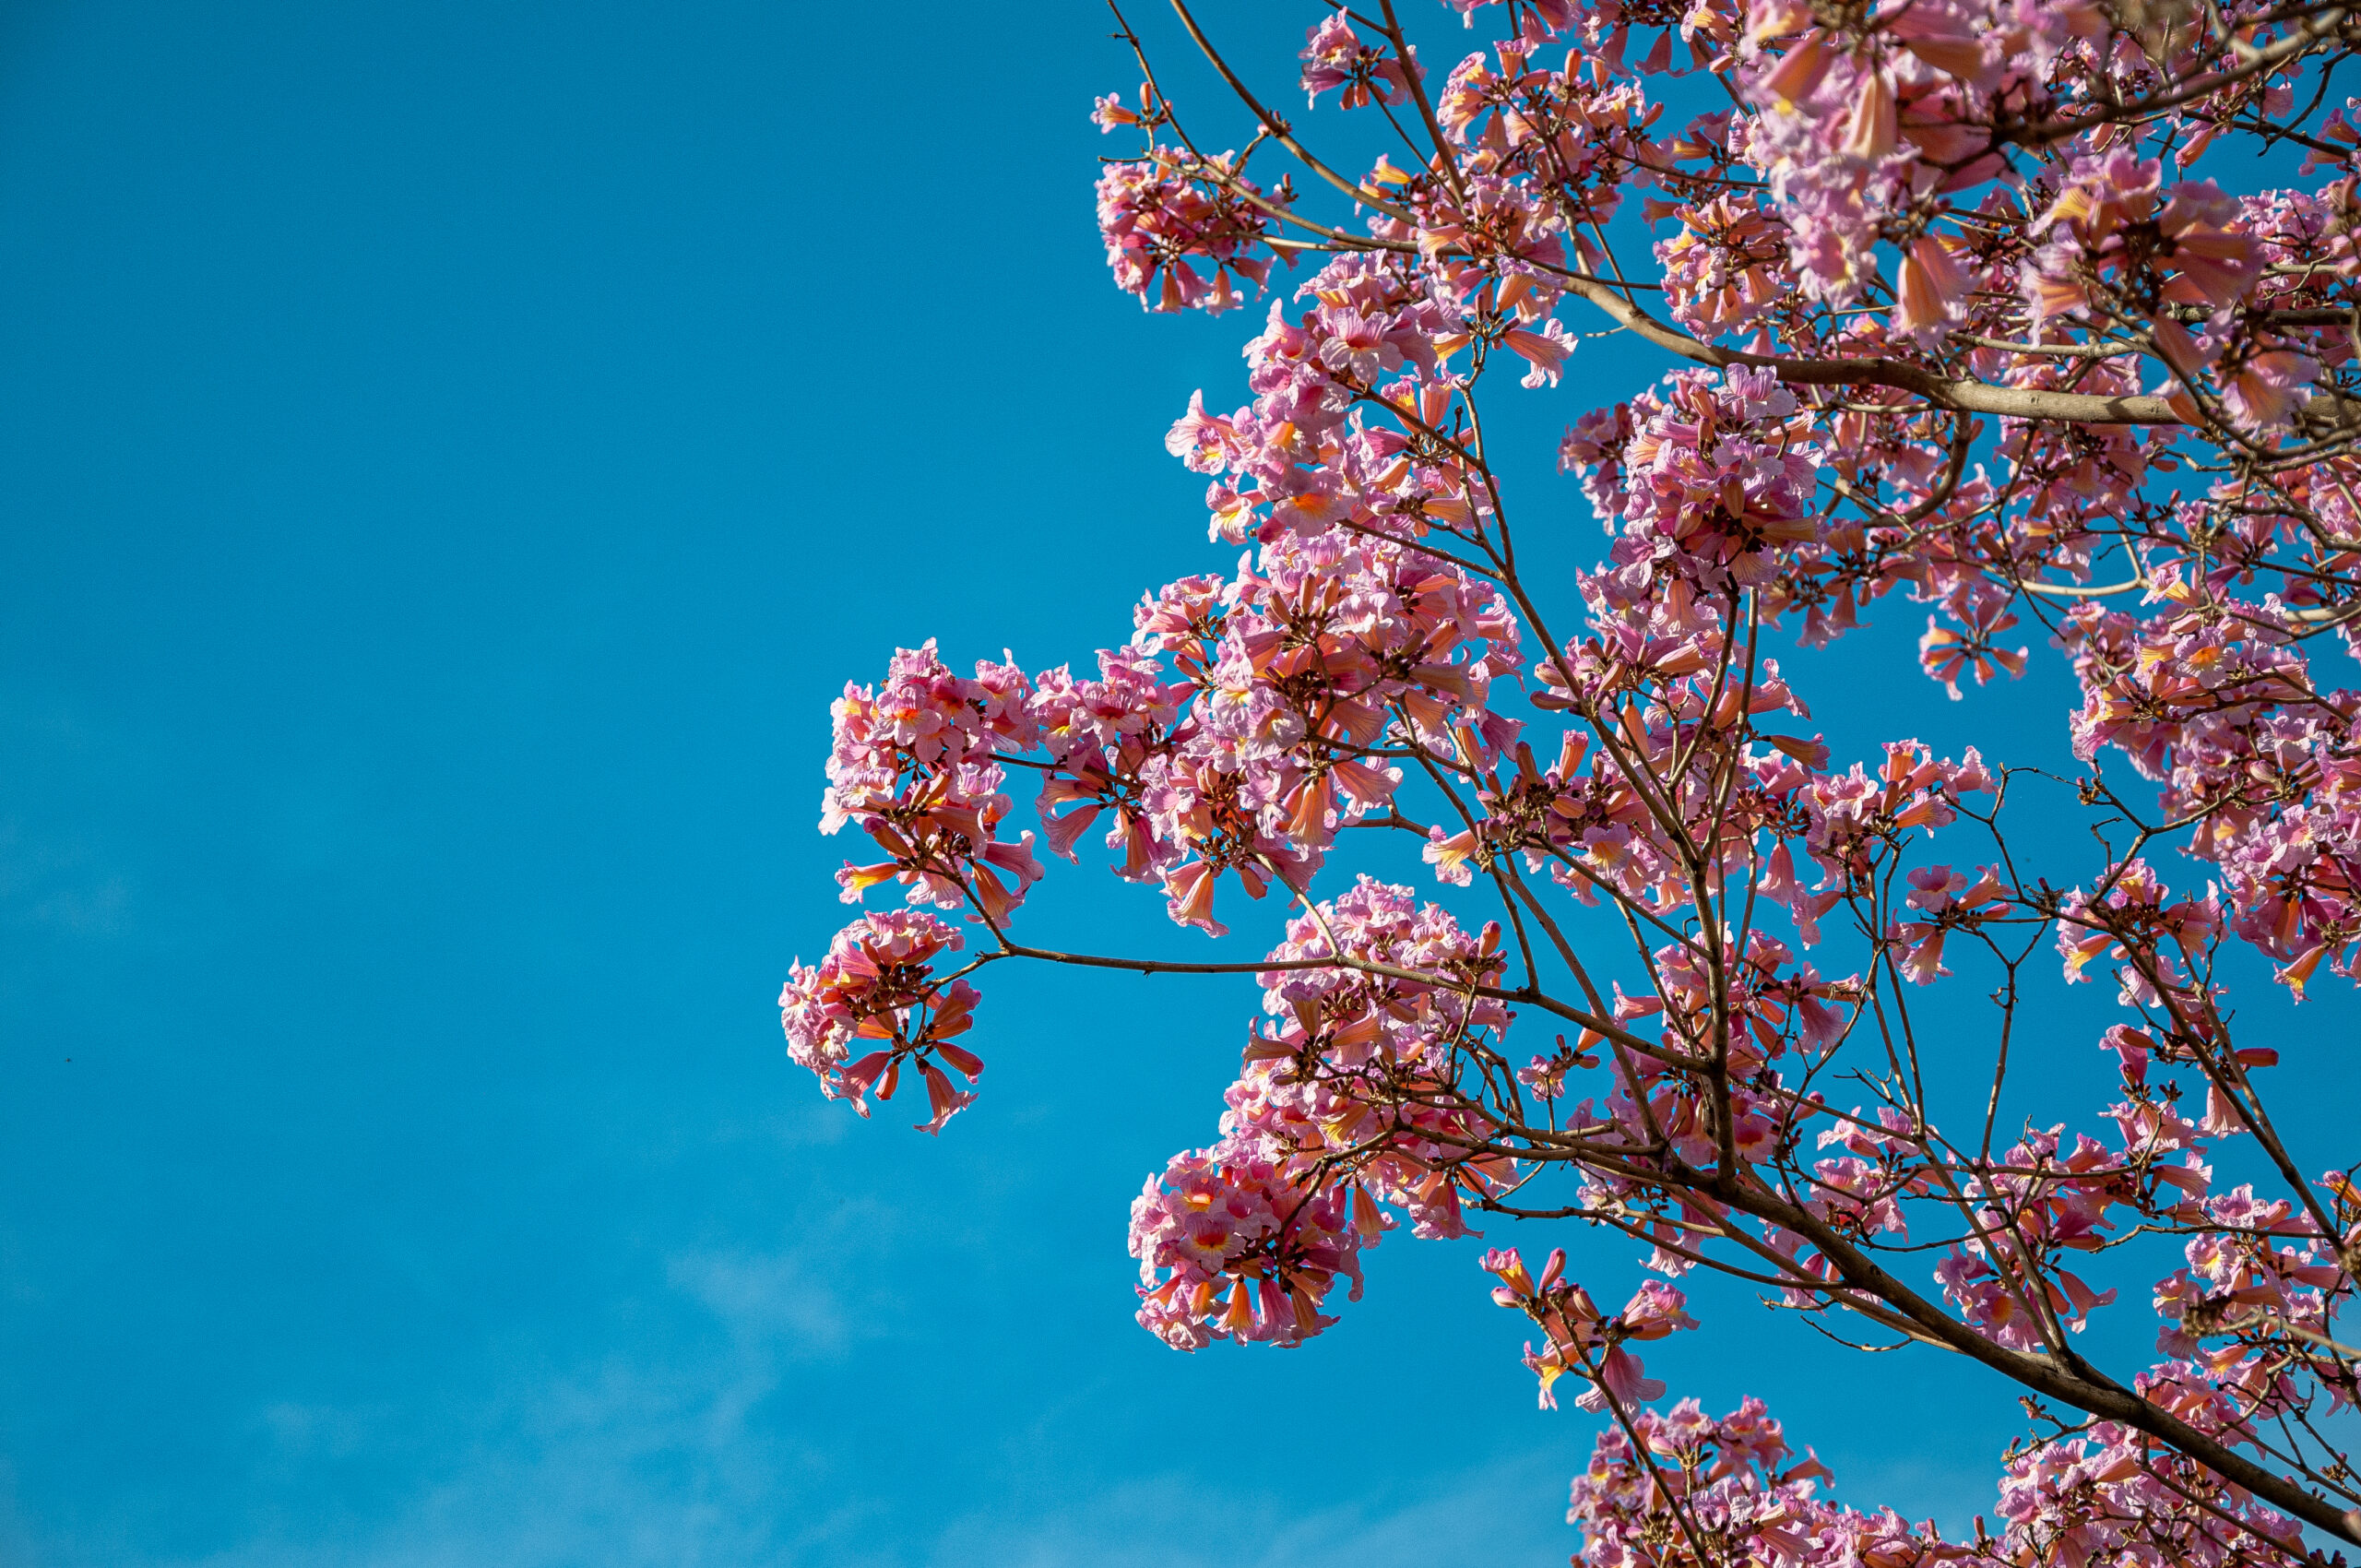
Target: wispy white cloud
619, 1463
16, 1532
54, 873
617, 1466
777, 1300
1510, 1512
302, 1431
631, 1467
59, 883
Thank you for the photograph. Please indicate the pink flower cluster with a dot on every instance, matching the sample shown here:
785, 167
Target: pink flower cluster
1736, 1488
877, 989
1230, 1244
1737, 1485
1181, 231
1960, 322
912, 766
1333, 56
1352, 1095
2229, 720
1293, 675
1582, 1340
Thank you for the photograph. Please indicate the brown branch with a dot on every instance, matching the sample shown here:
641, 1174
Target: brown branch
2310, 36
2094, 1394
1278, 128
1963, 395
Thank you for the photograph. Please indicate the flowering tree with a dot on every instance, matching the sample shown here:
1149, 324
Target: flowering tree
1961, 324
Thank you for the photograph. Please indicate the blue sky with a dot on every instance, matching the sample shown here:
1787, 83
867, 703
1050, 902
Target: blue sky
450, 456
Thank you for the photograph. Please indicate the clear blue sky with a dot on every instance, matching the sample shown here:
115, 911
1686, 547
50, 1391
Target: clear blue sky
449, 454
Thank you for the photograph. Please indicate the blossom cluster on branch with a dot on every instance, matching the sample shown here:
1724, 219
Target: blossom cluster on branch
1955, 321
